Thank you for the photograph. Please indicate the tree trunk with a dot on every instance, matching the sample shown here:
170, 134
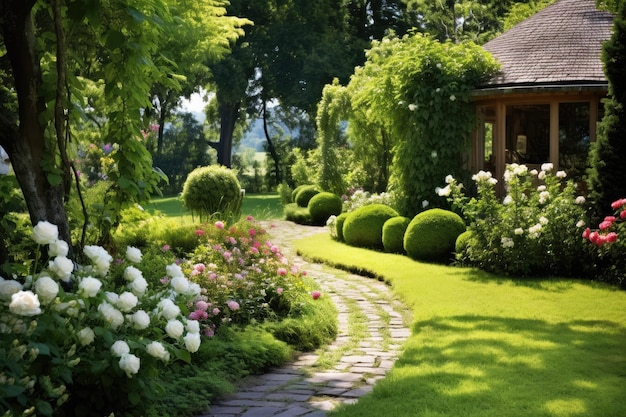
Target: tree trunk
229, 112
26, 145
271, 147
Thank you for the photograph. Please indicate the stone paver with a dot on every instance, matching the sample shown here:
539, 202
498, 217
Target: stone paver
298, 389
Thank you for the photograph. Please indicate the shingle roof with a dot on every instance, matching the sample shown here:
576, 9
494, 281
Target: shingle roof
561, 44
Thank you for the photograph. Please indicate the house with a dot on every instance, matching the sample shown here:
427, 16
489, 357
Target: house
545, 103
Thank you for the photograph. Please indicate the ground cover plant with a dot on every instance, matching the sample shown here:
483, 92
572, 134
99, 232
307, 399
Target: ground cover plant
487, 345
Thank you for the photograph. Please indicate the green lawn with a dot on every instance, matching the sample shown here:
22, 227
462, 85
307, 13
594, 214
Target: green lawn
262, 206
489, 346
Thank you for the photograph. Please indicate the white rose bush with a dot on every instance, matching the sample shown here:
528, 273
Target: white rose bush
534, 230
76, 340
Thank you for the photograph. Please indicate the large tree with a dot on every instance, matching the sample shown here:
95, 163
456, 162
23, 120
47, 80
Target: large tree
51, 46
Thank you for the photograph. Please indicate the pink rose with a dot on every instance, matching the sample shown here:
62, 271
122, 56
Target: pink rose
219, 225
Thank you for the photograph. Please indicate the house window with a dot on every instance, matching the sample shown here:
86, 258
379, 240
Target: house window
527, 134
574, 138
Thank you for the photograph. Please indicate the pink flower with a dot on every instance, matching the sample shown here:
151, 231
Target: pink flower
165, 248
199, 267
202, 305
199, 232
249, 218
164, 280
274, 249
254, 250
618, 203
198, 315
315, 295
219, 225
622, 215
586, 233
279, 290
227, 255
209, 332
216, 311
611, 237
233, 305
605, 225
294, 269
252, 232
281, 271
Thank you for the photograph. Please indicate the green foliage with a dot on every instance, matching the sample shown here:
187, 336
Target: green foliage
521, 11
303, 170
297, 214
393, 234
285, 192
605, 176
363, 227
296, 190
535, 230
213, 190
322, 206
461, 245
339, 222
304, 195
431, 235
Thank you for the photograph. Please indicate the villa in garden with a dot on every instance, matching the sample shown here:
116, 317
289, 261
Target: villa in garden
546, 102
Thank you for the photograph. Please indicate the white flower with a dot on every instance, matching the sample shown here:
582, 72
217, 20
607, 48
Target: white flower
111, 315
100, 258
580, 223
507, 200
542, 175
331, 220
168, 308
425, 203
138, 286
580, 200
90, 286
46, 288
433, 154
86, 336
127, 301
449, 179
174, 329
119, 348
58, 248
520, 170
534, 172
192, 342
45, 233
133, 254
62, 267
519, 231
130, 364
492, 181
481, 176
25, 303
412, 107
543, 220
140, 320
443, 192
193, 326
180, 284
541, 188
561, 174
8, 288
507, 242
544, 196
194, 289
548, 166
534, 231
452, 97
111, 297
131, 273
157, 350
174, 270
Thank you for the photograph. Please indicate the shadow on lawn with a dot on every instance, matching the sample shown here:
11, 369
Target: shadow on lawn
481, 365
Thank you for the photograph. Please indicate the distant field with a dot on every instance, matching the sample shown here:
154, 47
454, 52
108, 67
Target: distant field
263, 206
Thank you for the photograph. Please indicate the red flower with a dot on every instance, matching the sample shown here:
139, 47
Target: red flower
618, 203
611, 237
586, 233
315, 295
605, 225
199, 232
622, 215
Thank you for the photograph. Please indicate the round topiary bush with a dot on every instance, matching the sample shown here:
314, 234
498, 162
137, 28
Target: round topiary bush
213, 190
431, 235
461, 245
296, 190
364, 226
393, 234
305, 194
341, 219
322, 206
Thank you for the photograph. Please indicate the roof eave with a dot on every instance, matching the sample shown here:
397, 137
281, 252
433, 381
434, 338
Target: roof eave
578, 87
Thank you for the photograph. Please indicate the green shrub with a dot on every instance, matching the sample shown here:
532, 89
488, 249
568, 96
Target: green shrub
322, 206
364, 226
213, 190
393, 234
431, 235
285, 192
461, 245
296, 190
297, 214
305, 194
339, 222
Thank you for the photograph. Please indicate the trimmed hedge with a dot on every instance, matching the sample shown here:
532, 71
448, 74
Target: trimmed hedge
305, 194
339, 222
364, 226
213, 190
393, 234
432, 234
322, 206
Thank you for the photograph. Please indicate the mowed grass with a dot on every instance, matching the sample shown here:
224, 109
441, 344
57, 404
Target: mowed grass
262, 206
490, 346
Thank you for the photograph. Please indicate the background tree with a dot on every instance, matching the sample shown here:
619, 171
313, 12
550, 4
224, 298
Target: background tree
608, 153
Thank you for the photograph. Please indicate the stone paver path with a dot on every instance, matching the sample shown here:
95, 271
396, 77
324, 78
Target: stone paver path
302, 389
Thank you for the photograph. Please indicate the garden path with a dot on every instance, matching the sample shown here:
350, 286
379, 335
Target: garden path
302, 389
